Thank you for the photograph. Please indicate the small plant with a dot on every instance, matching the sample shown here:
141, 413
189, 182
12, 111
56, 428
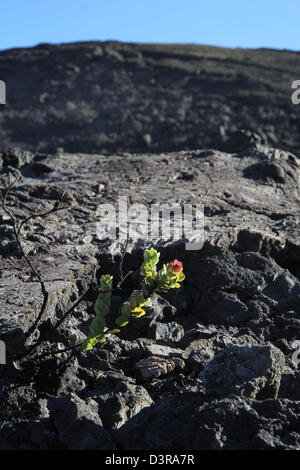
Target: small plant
98, 329
168, 277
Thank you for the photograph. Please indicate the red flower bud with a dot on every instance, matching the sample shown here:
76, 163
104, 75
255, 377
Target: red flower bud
175, 267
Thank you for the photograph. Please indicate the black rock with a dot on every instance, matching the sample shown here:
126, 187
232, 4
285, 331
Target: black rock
78, 424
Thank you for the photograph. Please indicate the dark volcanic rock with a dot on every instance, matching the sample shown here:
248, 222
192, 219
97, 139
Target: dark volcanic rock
161, 310
212, 365
247, 371
241, 292
168, 333
16, 157
148, 97
188, 421
125, 401
78, 424
154, 366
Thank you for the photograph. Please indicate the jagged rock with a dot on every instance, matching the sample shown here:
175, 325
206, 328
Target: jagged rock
249, 240
160, 309
152, 349
283, 288
240, 287
116, 97
248, 371
201, 351
107, 379
154, 366
243, 140
169, 333
78, 424
69, 381
141, 348
21, 298
223, 424
198, 353
125, 401
199, 332
234, 289
16, 157
241, 296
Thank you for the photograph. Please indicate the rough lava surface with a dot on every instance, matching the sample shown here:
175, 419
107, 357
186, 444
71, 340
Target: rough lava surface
116, 97
212, 365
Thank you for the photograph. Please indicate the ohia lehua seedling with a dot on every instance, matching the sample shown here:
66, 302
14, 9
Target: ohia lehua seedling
153, 280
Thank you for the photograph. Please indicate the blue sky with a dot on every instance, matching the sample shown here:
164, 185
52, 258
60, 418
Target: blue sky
228, 23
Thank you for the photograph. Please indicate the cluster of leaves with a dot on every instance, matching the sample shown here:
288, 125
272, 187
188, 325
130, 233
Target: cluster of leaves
168, 277
98, 330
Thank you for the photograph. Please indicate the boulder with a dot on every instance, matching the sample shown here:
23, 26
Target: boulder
247, 371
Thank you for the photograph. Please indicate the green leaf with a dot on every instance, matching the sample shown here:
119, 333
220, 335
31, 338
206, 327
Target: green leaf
138, 312
137, 301
112, 332
89, 343
97, 326
122, 321
151, 258
154, 257
102, 304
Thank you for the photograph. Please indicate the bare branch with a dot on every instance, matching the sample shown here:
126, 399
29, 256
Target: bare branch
66, 314
17, 234
122, 260
55, 208
70, 310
